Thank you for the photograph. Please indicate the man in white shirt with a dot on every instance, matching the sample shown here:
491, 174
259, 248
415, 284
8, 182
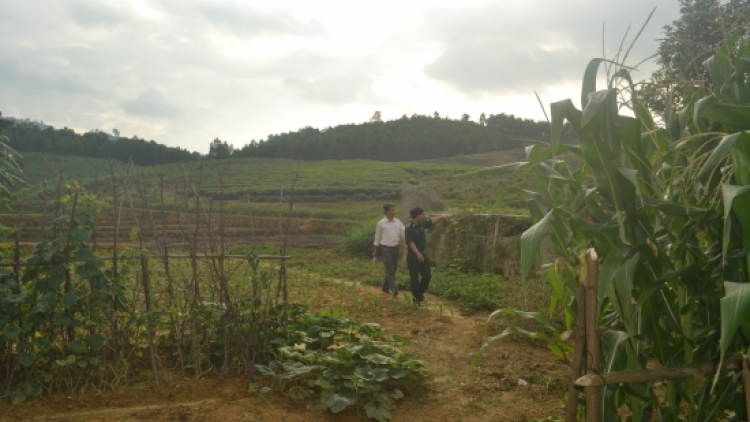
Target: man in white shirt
388, 233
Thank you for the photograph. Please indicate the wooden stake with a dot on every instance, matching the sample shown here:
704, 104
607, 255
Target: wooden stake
593, 355
746, 381
660, 374
146, 280
579, 337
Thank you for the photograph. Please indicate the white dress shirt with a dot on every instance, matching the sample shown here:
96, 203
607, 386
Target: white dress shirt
389, 233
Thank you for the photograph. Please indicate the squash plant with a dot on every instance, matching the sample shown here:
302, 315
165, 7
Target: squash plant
334, 363
668, 210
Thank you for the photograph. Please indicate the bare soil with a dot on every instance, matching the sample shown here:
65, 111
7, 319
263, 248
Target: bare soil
443, 339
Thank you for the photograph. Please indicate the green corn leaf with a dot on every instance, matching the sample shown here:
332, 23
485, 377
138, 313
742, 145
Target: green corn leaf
559, 112
503, 169
530, 241
597, 100
698, 109
735, 115
722, 150
589, 79
735, 310
608, 269
740, 154
613, 345
537, 316
729, 193
671, 208
508, 331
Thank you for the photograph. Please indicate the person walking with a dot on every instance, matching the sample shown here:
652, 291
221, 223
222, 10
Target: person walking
388, 234
416, 257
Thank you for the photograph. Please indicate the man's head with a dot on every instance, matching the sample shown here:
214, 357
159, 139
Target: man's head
389, 210
416, 214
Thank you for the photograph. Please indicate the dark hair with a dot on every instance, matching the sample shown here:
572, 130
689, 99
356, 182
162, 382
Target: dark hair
415, 212
387, 207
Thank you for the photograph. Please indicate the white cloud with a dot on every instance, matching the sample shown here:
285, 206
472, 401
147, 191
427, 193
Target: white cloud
151, 103
240, 70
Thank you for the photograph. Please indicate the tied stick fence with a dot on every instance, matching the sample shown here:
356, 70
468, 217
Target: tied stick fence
70, 321
587, 354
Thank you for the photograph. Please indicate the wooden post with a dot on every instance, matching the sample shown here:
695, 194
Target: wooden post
593, 355
579, 337
17, 256
659, 374
746, 381
149, 328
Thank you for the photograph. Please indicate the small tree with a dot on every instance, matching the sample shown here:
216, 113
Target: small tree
220, 149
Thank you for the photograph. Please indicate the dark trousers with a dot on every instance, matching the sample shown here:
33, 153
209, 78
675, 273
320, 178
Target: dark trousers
417, 269
390, 261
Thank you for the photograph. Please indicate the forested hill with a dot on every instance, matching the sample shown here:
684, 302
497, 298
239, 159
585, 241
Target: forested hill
36, 138
405, 139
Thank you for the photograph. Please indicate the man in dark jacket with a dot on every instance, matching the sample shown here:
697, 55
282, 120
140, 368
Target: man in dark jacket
416, 257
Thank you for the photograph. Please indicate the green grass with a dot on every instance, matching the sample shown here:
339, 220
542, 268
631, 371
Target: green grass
330, 196
38, 167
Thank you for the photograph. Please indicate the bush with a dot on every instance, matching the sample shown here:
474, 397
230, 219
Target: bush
335, 363
358, 240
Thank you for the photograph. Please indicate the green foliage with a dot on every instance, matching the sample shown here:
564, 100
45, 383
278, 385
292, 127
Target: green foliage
334, 363
667, 210
702, 28
29, 137
258, 179
473, 291
10, 171
53, 316
67, 322
358, 240
405, 139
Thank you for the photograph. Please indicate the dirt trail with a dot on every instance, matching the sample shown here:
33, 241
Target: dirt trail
442, 338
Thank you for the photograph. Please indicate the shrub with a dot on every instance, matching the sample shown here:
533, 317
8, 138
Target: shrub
335, 363
358, 240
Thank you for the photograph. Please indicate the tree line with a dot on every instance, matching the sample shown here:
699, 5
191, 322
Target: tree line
412, 138
29, 137
406, 139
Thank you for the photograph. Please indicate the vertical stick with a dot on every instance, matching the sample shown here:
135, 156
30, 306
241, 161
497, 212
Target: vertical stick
746, 381
149, 328
17, 256
117, 219
593, 358
579, 338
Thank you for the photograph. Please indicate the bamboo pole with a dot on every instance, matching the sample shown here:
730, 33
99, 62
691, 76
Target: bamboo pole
659, 374
146, 280
22, 263
593, 355
746, 382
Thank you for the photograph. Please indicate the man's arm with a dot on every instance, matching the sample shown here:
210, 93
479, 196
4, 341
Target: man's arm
439, 218
378, 237
414, 249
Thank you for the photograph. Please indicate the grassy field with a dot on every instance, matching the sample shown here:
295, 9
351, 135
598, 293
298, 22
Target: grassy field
335, 189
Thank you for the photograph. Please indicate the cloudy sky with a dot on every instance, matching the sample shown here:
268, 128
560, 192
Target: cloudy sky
183, 72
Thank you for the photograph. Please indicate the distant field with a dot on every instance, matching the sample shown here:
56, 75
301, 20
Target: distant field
340, 190
38, 167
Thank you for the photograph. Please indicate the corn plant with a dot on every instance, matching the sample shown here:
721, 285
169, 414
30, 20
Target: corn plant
668, 211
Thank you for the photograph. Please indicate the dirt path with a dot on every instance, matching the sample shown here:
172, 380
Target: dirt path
443, 339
